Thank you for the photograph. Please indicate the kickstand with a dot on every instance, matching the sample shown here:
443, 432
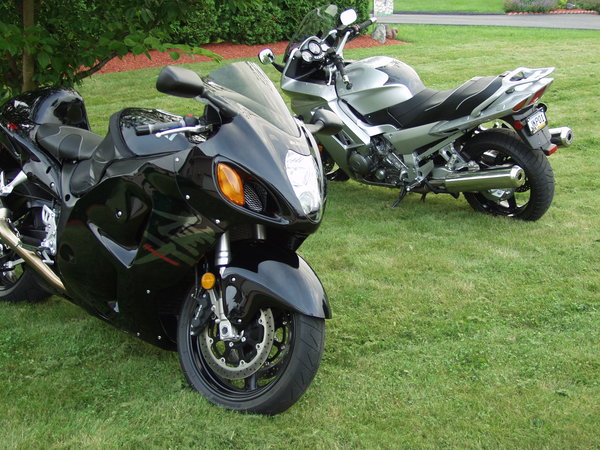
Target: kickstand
403, 193
423, 196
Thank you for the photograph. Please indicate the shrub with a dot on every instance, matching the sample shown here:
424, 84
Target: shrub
259, 22
593, 5
535, 6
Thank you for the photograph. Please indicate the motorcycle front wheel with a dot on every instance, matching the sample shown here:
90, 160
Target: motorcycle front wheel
264, 372
504, 147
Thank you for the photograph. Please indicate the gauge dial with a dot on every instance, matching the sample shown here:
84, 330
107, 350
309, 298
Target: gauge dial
307, 56
314, 47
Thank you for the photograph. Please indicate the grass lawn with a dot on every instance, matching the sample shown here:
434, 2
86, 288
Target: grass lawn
475, 6
450, 328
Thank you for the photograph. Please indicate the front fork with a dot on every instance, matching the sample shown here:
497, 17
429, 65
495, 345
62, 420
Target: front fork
223, 256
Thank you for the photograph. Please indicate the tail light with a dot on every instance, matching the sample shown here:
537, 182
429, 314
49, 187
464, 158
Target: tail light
537, 95
530, 101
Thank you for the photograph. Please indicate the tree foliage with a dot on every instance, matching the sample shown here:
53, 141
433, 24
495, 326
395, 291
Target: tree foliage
72, 39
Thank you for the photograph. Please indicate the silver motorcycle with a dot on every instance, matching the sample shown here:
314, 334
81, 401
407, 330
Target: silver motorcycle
488, 138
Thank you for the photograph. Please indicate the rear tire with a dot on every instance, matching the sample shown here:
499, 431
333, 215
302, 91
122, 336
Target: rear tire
20, 283
503, 146
239, 377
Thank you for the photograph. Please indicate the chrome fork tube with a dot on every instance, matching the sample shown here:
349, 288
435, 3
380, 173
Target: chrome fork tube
223, 253
227, 331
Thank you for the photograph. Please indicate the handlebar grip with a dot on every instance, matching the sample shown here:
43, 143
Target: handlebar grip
339, 65
142, 130
366, 23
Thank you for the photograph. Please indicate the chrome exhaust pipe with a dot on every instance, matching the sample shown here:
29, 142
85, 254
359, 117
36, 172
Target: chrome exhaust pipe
482, 180
562, 136
12, 240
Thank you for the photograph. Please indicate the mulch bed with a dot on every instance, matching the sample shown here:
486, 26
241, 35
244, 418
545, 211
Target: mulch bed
225, 49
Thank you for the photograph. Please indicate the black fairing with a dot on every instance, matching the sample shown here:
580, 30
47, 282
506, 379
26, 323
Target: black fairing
260, 275
259, 149
128, 249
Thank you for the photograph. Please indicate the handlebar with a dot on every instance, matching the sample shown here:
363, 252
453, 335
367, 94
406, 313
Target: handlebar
366, 23
339, 65
150, 128
187, 123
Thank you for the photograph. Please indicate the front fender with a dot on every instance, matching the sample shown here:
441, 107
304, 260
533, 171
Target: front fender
260, 275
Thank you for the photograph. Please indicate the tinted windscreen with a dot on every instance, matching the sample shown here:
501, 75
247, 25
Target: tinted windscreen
245, 83
317, 23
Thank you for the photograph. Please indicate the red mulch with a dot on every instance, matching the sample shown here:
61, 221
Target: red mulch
226, 50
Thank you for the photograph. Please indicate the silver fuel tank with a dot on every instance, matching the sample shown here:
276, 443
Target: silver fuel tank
378, 82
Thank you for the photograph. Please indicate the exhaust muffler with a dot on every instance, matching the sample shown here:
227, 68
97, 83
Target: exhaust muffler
482, 180
562, 136
12, 240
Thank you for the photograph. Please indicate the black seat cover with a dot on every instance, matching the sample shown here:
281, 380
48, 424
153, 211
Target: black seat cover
430, 105
65, 142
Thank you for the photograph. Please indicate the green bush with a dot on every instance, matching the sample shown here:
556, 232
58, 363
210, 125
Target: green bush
532, 6
200, 26
260, 22
593, 5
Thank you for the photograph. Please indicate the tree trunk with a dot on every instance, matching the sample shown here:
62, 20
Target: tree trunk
28, 58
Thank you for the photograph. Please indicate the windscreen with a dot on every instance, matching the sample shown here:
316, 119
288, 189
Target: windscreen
246, 83
317, 22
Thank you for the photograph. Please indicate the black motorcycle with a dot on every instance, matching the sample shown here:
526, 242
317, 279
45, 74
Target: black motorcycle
180, 230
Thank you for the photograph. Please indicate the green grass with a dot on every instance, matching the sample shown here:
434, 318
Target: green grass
476, 6
450, 328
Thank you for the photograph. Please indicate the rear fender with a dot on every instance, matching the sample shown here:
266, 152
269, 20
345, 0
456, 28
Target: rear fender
260, 275
540, 140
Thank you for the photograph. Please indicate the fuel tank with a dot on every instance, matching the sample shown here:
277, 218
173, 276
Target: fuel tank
377, 83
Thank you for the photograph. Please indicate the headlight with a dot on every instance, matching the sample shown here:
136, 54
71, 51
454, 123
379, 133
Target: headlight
305, 177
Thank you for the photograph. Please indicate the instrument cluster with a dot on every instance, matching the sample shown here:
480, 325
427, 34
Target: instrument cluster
313, 50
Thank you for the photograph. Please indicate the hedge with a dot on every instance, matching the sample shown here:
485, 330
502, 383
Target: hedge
261, 22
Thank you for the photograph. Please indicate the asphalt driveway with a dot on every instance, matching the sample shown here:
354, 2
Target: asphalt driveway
573, 21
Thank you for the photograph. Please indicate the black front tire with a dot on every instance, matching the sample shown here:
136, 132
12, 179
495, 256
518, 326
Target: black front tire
503, 146
234, 375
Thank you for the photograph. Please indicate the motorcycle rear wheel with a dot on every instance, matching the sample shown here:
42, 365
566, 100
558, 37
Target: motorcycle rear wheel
266, 373
503, 146
19, 283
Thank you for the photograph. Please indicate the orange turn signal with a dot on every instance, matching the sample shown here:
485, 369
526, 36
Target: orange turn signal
208, 281
230, 183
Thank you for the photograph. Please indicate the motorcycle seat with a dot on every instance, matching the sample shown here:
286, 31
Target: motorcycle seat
430, 105
91, 153
66, 142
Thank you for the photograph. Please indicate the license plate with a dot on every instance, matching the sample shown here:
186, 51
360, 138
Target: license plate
536, 122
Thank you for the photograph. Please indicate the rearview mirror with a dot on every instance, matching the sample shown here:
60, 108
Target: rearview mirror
347, 17
174, 80
266, 56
